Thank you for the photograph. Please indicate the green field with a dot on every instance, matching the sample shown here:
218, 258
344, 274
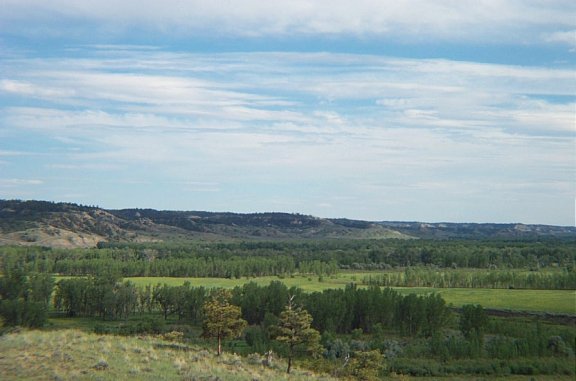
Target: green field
551, 301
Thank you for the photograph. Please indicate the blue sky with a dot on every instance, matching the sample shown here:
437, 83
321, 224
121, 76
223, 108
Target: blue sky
380, 110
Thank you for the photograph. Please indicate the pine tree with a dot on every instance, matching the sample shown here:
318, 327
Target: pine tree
295, 332
222, 319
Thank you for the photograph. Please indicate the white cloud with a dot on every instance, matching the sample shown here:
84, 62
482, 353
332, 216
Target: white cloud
308, 106
364, 129
29, 89
19, 182
566, 37
13, 153
417, 19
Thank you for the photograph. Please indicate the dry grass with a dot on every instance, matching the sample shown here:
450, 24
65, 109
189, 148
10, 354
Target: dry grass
75, 355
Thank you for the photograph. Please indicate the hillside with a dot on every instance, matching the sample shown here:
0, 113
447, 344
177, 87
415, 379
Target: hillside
70, 225
75, 355
446, 230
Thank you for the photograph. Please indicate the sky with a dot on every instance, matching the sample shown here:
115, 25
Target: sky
436, 111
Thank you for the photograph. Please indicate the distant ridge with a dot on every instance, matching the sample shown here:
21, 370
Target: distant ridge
70, 225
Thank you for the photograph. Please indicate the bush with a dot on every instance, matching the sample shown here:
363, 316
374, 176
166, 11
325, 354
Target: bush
482, 367
173, 336
336, 349
485, 367
367, 365
152, 326
101, 365
390, 349
415, 367
257, 338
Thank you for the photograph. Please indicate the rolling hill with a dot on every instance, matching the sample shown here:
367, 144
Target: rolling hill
70, 225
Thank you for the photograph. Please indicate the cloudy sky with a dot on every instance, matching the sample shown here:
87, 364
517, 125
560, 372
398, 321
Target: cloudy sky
371, 109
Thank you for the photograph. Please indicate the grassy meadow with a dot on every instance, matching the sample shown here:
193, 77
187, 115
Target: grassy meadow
550, 301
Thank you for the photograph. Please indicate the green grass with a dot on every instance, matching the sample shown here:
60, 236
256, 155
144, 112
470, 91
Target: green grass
309, 284
552, 301
85, 324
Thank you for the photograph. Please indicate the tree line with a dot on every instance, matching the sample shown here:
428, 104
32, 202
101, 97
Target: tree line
334, 310
235, 259
559, 279
24, 297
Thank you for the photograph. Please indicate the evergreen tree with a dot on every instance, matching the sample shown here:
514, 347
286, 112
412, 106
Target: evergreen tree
222, 319
294, 331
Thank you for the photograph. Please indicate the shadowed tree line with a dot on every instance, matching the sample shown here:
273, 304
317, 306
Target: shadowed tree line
235, 260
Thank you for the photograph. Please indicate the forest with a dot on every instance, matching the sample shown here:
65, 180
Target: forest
260, 258
368, 323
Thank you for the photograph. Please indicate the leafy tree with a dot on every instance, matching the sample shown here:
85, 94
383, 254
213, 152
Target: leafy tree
126, 299
100, 295
41, 286
257, 338
473, 323
13, 283
222, 319
23, 299
295, 332
23, 312
411, 314
437, 314
164, 296
70, 296
193, 302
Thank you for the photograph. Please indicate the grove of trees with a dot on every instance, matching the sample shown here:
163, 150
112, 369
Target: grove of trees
24, 297
497, 259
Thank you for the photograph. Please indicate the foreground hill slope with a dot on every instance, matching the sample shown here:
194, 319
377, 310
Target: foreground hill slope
75, 355
68, 225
